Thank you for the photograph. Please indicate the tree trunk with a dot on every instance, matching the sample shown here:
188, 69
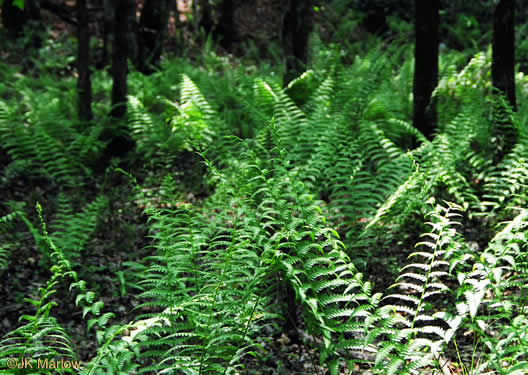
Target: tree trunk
206, 19
15, 19
226, 27
133, 32
63, 11
84, 83
120, 57
375, 21
108, 18
152, 30
296, 28
503, 74
503, 56
195, 22
425, 65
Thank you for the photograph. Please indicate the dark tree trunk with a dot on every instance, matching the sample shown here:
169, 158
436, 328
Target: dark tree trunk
226, 28
296, 28
132, 32
18, 21
206, 19
109, 27
425, 65
152, 30
15, 19
375, 21
503, 74
503, 58
120, 57
195, 22
63, 11
84, 83
120, 144
108, 19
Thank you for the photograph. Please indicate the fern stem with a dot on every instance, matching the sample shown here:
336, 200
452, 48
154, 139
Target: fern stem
246, 329
464, 371
217, 291
426, 283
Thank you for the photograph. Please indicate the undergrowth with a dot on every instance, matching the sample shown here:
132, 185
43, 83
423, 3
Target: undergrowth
310, 185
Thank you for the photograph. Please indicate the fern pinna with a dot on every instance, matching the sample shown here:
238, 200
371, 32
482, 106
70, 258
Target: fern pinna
492, 300
207, 283
307, 253
43, 339
415, 335
335, 179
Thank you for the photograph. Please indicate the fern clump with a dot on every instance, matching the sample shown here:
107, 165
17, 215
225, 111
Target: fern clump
47, 143
493, 300
314, 193
415, 335
206, 324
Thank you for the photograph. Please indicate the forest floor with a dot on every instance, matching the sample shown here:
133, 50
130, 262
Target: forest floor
123, 238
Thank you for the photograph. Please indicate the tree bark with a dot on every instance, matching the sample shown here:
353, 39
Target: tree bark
108, 19
15, 19
226, 28
503, 55
63, 11
120, 57
425, 65
296, 28
206, 19
375, 21
503, 76
152, 30
84, 83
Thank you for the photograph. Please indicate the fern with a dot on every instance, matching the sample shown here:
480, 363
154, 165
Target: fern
505, 184
42, 337
6, 224
494, 294
185, 126
47, 143
311, 259
416, 335
212, 311
71, 231
335, 177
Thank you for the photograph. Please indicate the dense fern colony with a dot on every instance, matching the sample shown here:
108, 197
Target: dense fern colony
334, 179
